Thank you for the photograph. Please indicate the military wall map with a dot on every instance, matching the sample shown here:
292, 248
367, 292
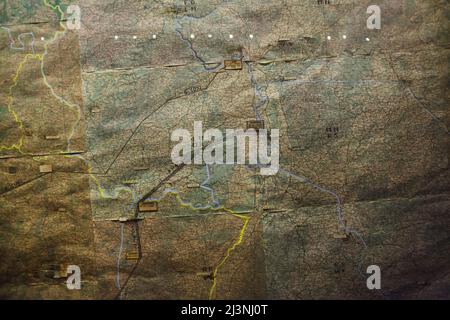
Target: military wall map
92, 90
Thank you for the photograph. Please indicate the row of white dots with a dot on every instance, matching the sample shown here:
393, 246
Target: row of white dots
192, 36
345, 37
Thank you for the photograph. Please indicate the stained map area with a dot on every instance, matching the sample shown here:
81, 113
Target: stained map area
87, 179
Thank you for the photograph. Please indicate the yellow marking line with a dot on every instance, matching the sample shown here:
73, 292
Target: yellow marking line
17, 146
102, 191
238, 241
246, 219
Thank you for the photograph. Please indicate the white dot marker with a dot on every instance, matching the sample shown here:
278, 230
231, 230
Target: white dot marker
344, 37
42, 38
134, 37
329, 38
116, 37
209, 35
231, 36
154, 36
192, 36
367, 39
250, 36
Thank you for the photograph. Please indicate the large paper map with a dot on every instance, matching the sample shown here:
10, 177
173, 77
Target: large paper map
86, 175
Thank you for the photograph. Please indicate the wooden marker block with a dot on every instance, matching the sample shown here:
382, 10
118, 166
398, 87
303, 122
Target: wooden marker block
52, 137
233, 64
340, 235
132, 255
193, 185
61, 272
255, 124
130, 182
45, 168
148, 206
